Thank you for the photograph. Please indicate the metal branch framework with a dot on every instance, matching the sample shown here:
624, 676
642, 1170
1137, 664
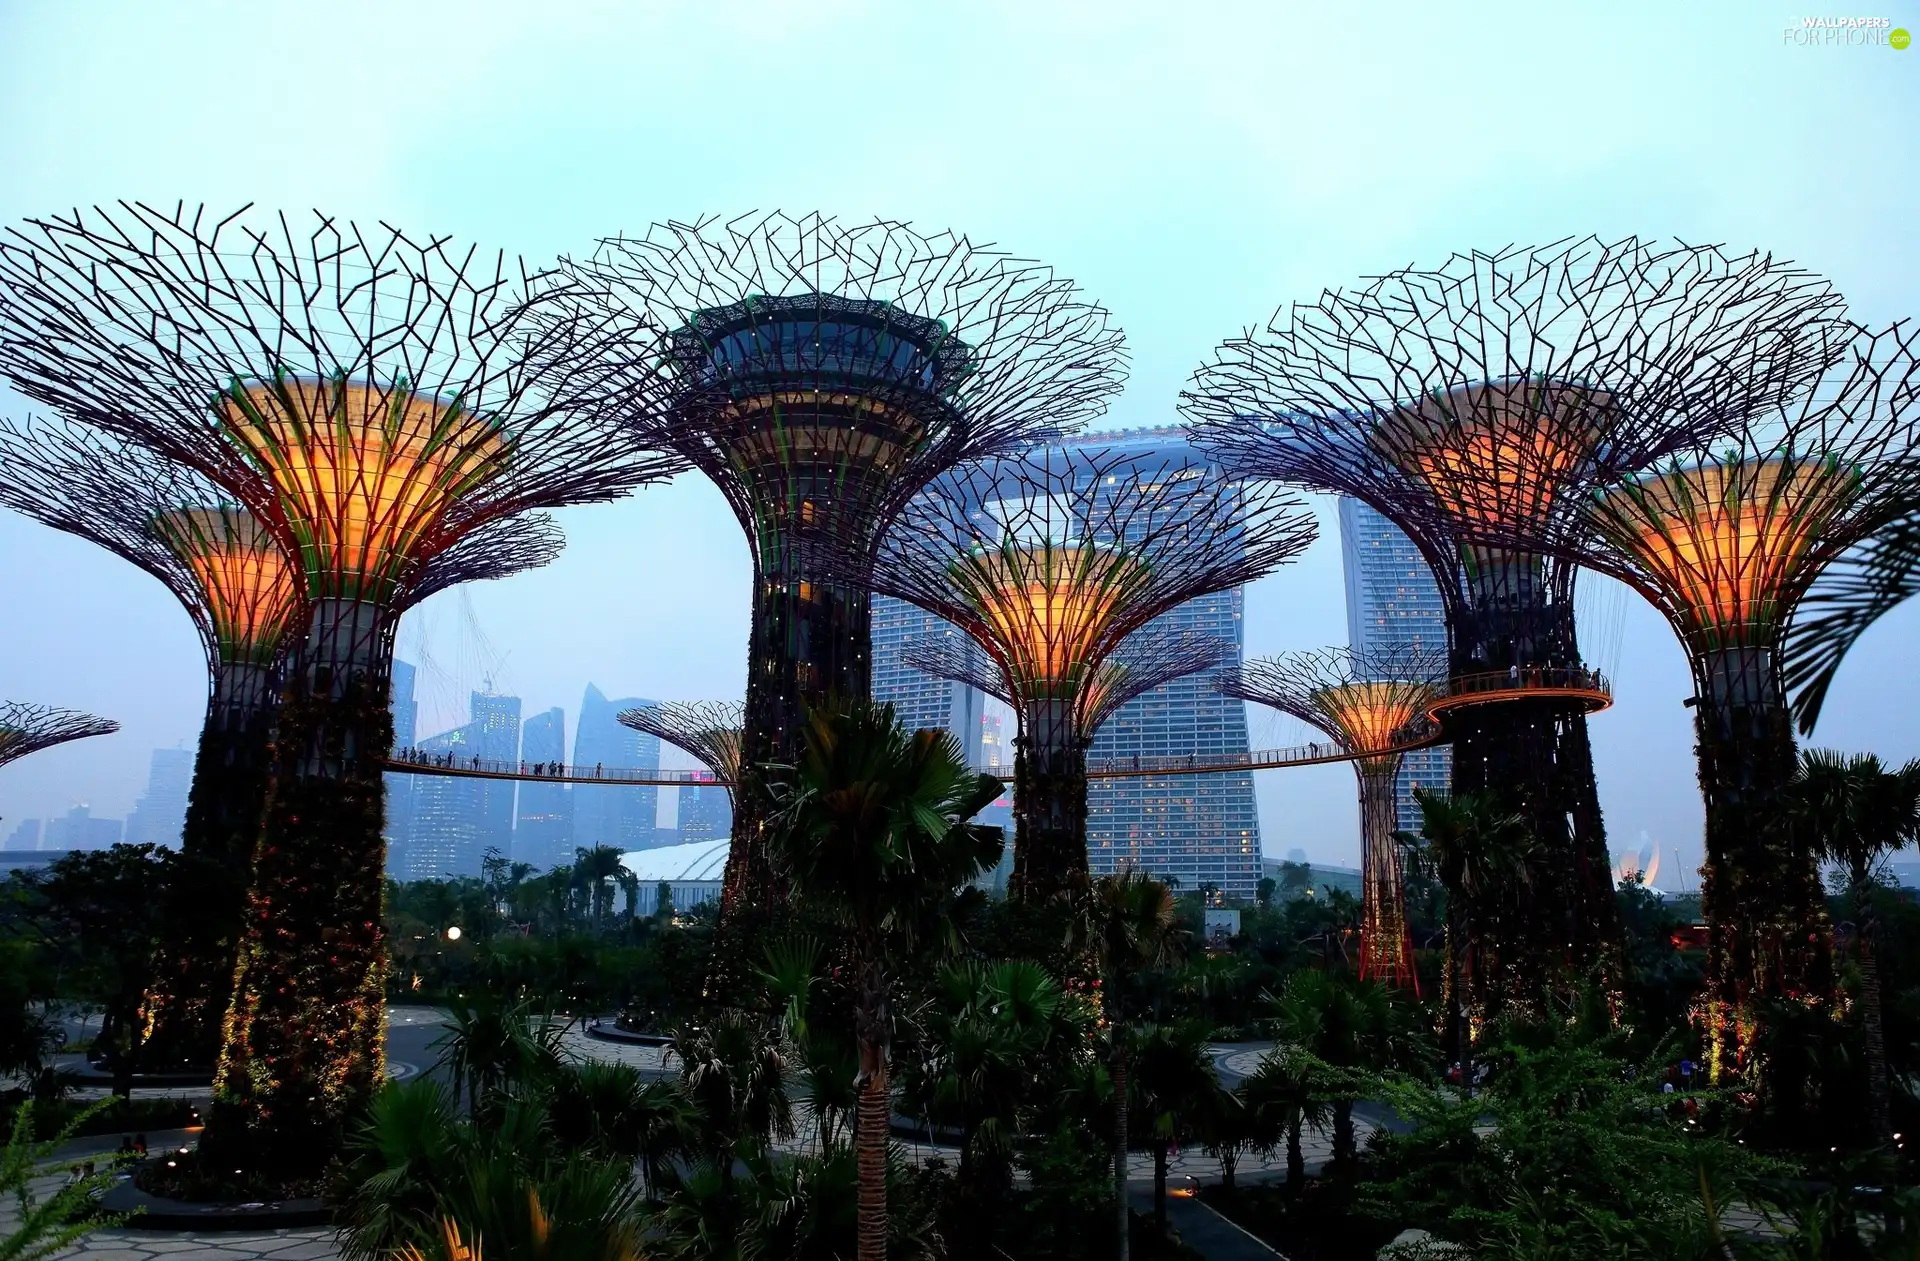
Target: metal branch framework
242, 590
709, 730
370, 399
1726, 541
1049, 563
1146, 659
1472, 404
821, 373
26, 728
1368, 703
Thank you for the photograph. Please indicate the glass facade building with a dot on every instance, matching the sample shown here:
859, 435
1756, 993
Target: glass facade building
160, 815
614, 815
919, 700
543, 830
1394, 603
456, 820
1202, 830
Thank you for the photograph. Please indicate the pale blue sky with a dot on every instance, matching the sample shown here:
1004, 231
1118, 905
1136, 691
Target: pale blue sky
1192, 165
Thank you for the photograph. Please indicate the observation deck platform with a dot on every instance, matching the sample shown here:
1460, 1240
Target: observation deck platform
1573, 687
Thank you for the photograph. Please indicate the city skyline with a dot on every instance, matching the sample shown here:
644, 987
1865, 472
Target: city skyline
1195, 132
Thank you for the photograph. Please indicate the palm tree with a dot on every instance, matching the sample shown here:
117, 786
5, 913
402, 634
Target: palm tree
1285, 1096
732, 1070
1351, 1026
1480, 853
596, 869
872, 829
989, 1026
1172, 1085
1132, 927
1853, 811
491, 1044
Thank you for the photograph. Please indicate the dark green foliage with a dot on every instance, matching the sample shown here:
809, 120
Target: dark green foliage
102, 916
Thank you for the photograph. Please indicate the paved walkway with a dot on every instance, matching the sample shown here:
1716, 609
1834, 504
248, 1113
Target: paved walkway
1204, 1230
1195, 1221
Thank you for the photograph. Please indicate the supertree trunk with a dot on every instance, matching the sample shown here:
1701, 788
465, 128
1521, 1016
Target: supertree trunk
812, 638
1386, 946
1532, 757
1049, 807
225, 806
1598, 936
304, 1039
1768, 935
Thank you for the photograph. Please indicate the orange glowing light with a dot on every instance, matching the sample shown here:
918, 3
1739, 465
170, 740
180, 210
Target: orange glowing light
246, 579
1496, 453
1049, 606
1728, 541
1370, 716
364, 473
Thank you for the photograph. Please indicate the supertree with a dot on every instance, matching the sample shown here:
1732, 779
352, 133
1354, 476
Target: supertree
1049, 562
821, 373
28, 728
370, 399
1467, 404
1369, 704
1726, 540
1151, 656
709, 730
241, 589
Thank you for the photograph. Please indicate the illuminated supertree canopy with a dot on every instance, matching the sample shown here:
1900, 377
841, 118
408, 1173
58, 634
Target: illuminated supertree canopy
243, 592
1470, 404
1144, 660
821, 373
1726, 541
370, 399
1369, 704
1049, 563
709, 730
28, 728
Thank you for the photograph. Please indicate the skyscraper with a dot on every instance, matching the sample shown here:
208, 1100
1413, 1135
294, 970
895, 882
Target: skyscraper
1203, 830
78, 829
543, 834
161, 812
25, 836
406, 716
919, 700
605, 814
1394, 603
706, 812
993, 743
495, 720
457, 820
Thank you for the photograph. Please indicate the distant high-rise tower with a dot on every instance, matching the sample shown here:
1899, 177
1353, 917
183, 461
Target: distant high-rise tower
606, 815
78, 829
26, 835
456, 820
161, 812
400, 788
1394, 603
1203, 830
706, 813
543, 835
920, 700
993, 743
495, 720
